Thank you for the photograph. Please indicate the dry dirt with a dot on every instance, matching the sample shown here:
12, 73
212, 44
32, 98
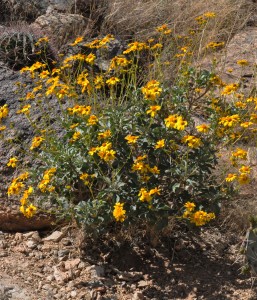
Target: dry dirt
198, 265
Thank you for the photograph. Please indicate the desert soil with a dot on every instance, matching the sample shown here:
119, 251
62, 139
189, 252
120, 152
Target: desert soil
60, 265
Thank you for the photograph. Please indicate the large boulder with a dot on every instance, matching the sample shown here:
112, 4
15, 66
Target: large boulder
61, 27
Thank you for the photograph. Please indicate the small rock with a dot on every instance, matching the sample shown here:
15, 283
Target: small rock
96, 271
62, 253
73, 294
56, 236
59, 276
47, 287
50, 278
138, 296
71, 264
142, 284
31, 244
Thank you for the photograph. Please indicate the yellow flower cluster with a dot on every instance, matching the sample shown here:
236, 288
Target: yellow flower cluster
118, 212
83, 81
176, 122
118, 62
131, 139
147, 196
98, 44
164, 29
47, 177
192, 141
17, 184
204, 128
199, 217
214, 45
135, 47
79, 110
243, 176
152, 90
201, 20
230, 88
143, 168
229, 121
85, 177
28, 212
12, 162
105, 152
36, 142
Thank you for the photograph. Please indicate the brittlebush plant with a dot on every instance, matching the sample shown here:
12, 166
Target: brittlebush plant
125, 150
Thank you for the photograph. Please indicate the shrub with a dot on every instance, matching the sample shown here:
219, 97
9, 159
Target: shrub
125, 150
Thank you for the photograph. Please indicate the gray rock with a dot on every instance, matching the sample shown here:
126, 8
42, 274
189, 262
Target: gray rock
56, 236
61, 27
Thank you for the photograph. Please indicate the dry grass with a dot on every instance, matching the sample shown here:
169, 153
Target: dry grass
138, 18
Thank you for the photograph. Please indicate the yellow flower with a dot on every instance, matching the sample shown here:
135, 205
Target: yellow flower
160, 144
156, 46
153, 170
118, 212
243, 178
243, 62
107, 155
214, 45
74, 125
239, 154
92, 120
15, 188
119, 61
203, 128
25, 110
98, 81
180, 123
153, 110
30, 211
76, 136
152, 90
82, 80
228, 89
190, 206
176, 122
192, 141
112, 81
200, 218
77, 40
3, 111
144, 195
132, 139
246, 124
90, 58
229, 121
135, 46
155, 191
245, 169
231, 177
80, 110
12, 162
41, 40
104, 135
36, 142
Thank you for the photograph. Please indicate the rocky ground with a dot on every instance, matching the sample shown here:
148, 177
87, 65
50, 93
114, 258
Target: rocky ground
57, 265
